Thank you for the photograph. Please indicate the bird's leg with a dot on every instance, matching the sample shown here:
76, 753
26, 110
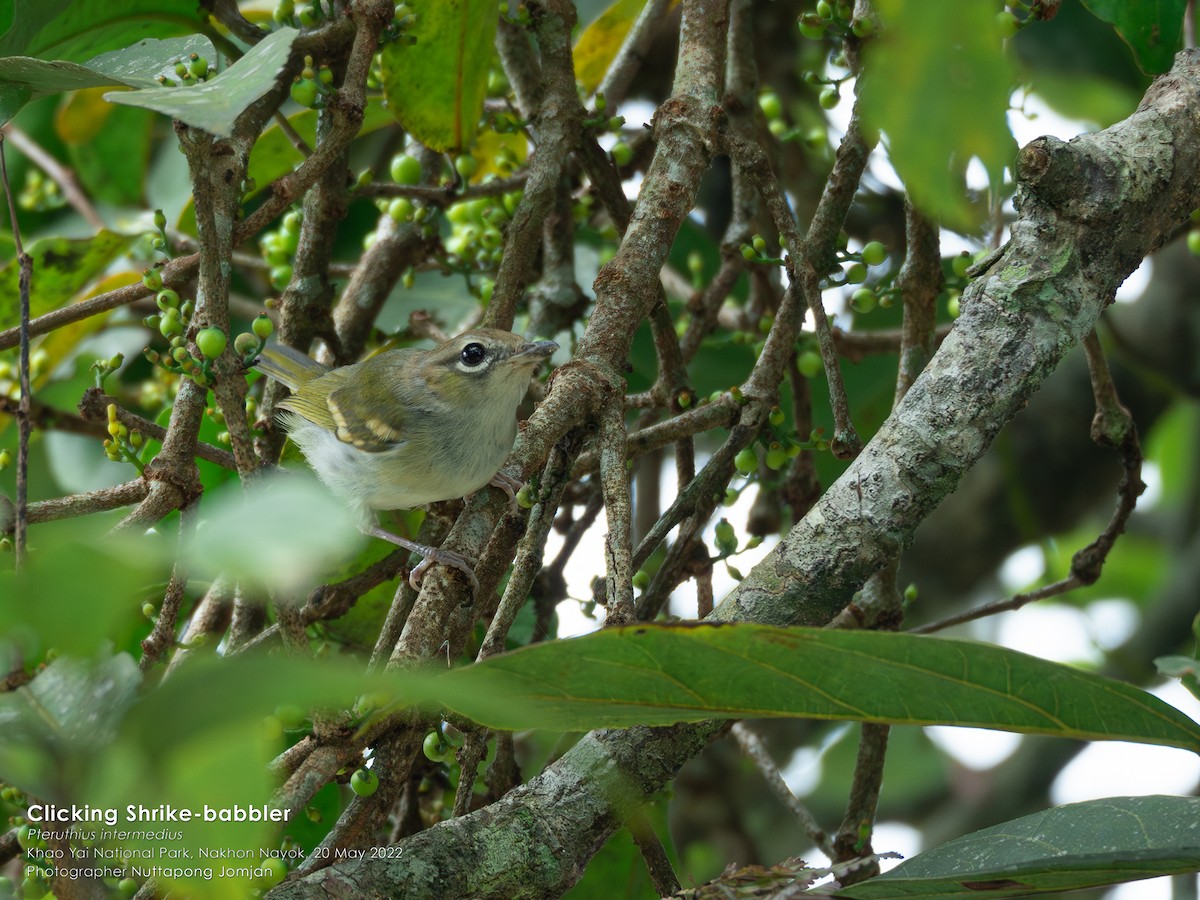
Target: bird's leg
509, 485
431, 555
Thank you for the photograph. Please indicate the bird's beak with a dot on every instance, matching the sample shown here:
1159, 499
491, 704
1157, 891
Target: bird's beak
536, 351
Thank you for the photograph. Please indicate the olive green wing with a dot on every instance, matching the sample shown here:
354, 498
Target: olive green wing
363, 404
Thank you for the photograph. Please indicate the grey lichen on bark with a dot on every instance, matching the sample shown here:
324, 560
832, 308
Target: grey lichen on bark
1128, 189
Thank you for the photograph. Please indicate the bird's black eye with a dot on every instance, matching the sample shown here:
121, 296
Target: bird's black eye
473, 354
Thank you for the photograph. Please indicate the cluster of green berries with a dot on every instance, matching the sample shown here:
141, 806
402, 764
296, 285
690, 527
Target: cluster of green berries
477, 229
865, 298
122, 444
834, 18
278, 248
39, 193
159, 242
312, 87
756, 251
193, 70
772, 110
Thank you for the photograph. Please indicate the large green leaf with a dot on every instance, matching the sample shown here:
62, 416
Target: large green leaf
658, 675
937, 83
61, 268
24, 78
436, 86
76, 30
1062, 849
1151, 28
214, 105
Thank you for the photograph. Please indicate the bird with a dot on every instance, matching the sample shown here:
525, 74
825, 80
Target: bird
409, 427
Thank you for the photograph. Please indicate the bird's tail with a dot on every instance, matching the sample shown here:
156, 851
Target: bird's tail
288, 365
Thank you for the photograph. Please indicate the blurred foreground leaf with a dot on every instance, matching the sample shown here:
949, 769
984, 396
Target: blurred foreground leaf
937, 83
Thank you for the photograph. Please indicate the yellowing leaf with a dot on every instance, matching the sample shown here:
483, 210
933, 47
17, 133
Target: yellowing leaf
598, 44
436, 86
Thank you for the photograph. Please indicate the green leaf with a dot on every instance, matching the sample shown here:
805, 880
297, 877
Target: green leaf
72, 31
937, 83
599, 43
76, 30
70, 711
1152, 28
79, 588
436, 86
61, 268
658, 675
1062, 849
214, 105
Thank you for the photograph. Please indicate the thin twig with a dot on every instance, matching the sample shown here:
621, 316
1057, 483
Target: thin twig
24, 421
60, 174
754, 749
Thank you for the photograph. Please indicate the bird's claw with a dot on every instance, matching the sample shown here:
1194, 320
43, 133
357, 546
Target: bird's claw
445, 558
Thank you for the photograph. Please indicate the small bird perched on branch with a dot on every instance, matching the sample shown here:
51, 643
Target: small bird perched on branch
409, 427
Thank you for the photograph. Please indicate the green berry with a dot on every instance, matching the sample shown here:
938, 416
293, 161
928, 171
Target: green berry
961, 263
262, 326
824, 10
812, 26
777, 416
400, 209
466, 166
726, 537
167, 299
809, 364
760, 244
274, 870
364, 782
1007, 24
622, 153
952, 305
281, 276
641, 579
746, 461
862, 27
245, 343
856, 274
152, 279
910, 593
304, 92
291, 222
829, 98
435, 747
212, 342
864, 300
770, 105
749, 253
405, 169
731, 497
874, 253
198, 67
525, 498
1193, 242
776, 457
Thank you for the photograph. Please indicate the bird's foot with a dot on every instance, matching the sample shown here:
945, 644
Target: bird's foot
509, 485
431, 556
